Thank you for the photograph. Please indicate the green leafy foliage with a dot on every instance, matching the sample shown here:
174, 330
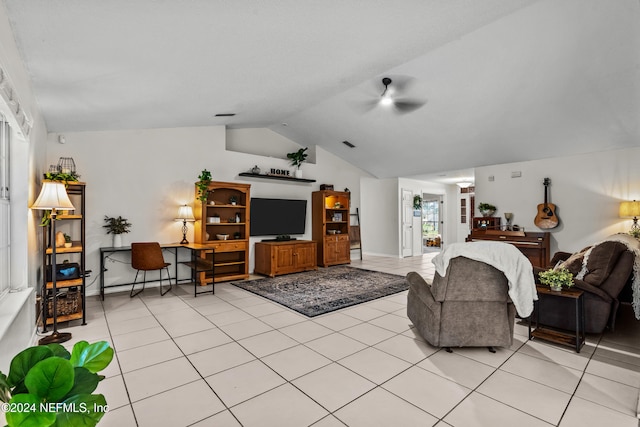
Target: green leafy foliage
59, 176
117, 225
556, 277
298, 157
486, 207
54, 387
204, 179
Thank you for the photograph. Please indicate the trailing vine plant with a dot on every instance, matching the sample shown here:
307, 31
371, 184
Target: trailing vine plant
204, 179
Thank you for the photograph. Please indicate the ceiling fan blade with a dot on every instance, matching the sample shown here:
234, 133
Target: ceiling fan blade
366, 106
407, 105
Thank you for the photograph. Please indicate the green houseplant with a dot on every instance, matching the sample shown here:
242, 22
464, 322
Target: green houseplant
48, 386
487, 209
297, 158
556, 278
204, 179
117, 226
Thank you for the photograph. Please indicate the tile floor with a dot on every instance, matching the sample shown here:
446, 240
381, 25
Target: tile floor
236, 359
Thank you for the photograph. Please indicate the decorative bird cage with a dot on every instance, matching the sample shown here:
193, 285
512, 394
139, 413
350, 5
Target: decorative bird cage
67, 165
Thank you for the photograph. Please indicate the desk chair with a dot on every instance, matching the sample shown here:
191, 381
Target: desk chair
147, 257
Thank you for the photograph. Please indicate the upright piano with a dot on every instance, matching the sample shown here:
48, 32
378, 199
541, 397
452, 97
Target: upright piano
534, 245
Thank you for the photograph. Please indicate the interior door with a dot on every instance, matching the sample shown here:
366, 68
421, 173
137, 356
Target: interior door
407, 223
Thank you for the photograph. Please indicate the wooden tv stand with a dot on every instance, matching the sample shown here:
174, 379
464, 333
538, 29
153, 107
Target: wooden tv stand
274, 258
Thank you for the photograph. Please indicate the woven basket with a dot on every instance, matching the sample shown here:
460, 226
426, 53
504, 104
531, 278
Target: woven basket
67, 303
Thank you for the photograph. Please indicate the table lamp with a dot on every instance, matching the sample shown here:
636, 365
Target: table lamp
185, 214
631, 210
53, 196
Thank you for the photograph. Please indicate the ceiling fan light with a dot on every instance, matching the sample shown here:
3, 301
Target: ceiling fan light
386, 100
463, 184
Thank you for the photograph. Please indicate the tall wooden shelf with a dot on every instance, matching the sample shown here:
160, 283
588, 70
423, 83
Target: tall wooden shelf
330, 226
71, 293
231, 255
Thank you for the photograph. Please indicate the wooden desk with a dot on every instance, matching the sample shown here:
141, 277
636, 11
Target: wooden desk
198, 263
535, 246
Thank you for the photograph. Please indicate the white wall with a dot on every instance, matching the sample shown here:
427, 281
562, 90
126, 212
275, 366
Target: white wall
380, 215
587, 190
264, 142
28, 163
144, 175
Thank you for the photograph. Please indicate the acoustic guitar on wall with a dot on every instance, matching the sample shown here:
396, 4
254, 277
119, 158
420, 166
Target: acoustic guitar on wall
546, 217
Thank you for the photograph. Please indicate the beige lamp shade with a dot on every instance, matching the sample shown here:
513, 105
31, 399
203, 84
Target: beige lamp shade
629, 209
185, 213
53, 195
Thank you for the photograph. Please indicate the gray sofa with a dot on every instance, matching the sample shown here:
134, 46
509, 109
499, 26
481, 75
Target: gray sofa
468, 307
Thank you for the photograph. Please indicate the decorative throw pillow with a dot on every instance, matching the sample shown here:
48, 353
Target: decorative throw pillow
602, 260
574, 262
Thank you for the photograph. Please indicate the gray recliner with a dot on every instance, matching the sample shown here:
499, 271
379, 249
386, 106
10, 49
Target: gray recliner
468, 307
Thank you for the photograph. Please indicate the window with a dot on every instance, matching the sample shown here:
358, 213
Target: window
5, 219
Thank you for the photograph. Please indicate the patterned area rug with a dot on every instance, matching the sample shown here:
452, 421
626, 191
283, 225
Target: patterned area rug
328, 289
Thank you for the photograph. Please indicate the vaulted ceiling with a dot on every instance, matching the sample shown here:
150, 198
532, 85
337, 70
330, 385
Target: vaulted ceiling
501, 80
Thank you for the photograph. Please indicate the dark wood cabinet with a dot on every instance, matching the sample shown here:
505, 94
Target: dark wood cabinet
330, 220
535, 246
486, 223
276, 258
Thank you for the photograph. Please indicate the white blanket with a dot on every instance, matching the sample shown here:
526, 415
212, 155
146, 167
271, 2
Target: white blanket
504, 257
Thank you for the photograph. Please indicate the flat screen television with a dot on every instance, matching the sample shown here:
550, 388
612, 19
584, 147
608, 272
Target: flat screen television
275, 217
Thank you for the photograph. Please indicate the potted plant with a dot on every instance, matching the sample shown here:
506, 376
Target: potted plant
487, 209
556, 278
117, 227
233, 200
67, 241
204, 179
46, 381
297, 158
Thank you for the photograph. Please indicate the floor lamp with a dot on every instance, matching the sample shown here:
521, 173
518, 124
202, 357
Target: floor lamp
53, 196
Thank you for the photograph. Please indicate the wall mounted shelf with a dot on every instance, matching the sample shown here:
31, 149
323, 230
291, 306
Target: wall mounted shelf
281, 178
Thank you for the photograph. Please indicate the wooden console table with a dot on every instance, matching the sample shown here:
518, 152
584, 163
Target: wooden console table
274, 258
535, 246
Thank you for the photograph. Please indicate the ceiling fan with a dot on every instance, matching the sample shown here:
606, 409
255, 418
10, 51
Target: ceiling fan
392, 96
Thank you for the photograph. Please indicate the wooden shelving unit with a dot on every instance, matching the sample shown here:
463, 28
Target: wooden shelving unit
330, 226
70, 291
278, 177
231, 261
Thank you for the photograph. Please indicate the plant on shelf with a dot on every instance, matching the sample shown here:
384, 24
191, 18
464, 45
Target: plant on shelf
67, 241
117, 225
298, 157
556, 278
64, 177
233, 200
204, 179
46, 381
487, 209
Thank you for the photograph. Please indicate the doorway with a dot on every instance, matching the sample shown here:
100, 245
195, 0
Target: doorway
432, 223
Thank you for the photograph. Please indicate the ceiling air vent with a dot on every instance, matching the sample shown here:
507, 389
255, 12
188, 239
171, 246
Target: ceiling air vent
225, 114
348, 144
